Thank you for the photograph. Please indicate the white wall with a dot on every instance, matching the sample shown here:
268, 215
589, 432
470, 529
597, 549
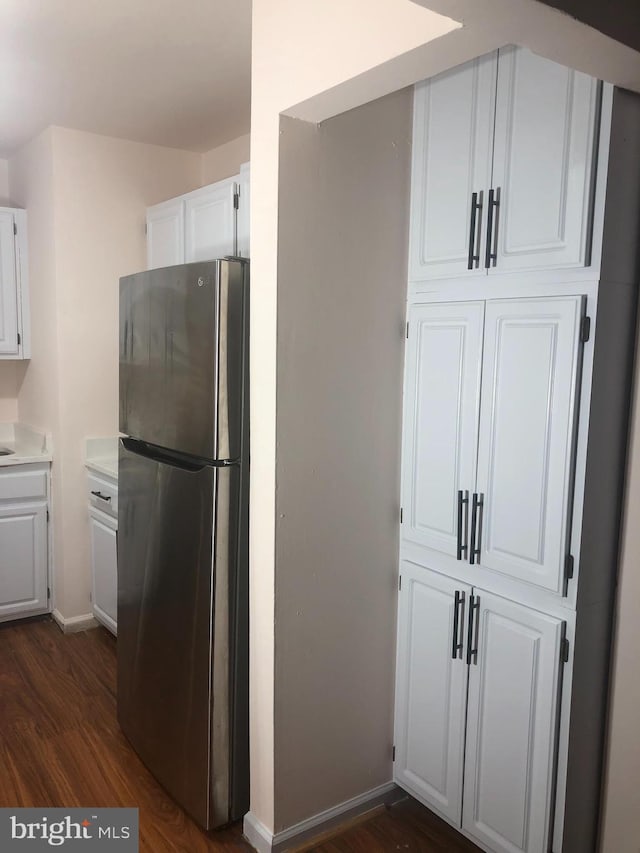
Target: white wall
374, 49
225, 160
86, 197
344, 185
288, 65
4, 183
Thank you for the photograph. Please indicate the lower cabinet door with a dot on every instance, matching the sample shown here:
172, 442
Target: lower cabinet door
104, 569
511, 725
431, 688
23, 560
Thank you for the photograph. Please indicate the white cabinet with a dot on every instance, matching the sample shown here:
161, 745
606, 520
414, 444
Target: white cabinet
442, 399
165, 234
476, 709
502, 171
511, 725
431, 689
531, 365
452, 148
542, 164
104, 531
23, 541
211, 222
15, 339
489, 427
103, 521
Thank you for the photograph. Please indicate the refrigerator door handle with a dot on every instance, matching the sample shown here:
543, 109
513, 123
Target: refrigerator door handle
169, 457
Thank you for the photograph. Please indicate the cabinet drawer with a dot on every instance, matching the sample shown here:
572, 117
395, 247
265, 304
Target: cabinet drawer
103, 494
18, 485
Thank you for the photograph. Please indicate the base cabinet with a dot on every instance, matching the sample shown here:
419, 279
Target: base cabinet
477, 688
104, 568
432, 689
24, 547
103, 526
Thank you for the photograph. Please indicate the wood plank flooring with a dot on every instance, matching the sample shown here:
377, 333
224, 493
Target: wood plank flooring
60, 745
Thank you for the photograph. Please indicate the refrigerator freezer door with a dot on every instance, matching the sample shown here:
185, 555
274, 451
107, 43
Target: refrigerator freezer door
176, 587
181, 357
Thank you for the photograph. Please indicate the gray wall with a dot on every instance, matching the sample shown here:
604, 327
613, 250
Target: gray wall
343, 224
619, 19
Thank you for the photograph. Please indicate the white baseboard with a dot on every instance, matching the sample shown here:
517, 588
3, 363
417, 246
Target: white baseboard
74, 623
264, 841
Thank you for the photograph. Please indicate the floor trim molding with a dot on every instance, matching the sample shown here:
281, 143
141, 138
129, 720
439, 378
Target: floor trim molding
74, 623
264, 841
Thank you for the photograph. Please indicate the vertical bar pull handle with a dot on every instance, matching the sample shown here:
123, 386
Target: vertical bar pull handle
491, 249
477, 510
475, 225
458, 625
463, 524
472, 635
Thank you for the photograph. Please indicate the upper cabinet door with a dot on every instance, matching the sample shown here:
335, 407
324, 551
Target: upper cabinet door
452, 148
165, 234
8, 288
431, 689
542, 167
211, 222
511, 723
440, 425
532, 361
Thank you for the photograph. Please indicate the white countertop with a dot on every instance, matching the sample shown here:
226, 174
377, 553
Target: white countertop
27, 445
102, 456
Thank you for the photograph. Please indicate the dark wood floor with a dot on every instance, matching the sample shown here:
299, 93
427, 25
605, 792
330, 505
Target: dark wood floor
60, 745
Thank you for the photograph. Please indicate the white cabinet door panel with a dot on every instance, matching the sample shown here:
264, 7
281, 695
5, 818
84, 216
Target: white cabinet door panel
165, 234
544, 144
440, 420
8, 288
210, 222
104, 568
530, 371
452, 148
511, 723
431, 690
23, 559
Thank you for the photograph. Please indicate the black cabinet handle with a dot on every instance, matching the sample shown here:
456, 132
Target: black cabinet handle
101, 496
458, 625
491, 257
463, 524
472, 635
475, 226
477, 509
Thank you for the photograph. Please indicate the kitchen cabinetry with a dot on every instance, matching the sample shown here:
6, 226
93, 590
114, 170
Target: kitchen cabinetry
514, 443
210, 222
165, 234
477, 695
15, 338
103, 520
490, 391
24, 501
502, 167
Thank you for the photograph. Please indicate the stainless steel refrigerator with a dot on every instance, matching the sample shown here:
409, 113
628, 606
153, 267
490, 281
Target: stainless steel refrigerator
182, 532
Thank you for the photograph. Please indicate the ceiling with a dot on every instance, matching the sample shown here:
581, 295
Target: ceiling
157, 71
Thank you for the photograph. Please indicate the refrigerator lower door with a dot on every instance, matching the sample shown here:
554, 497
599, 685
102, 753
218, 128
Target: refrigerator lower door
177, 524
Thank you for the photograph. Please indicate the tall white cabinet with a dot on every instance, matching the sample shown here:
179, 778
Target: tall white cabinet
500, 443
